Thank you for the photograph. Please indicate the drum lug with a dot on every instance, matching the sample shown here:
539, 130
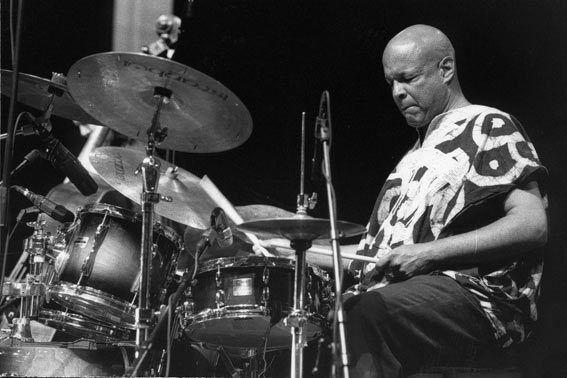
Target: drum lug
265, 296
100, 234
266, 276
218, 277
219, 298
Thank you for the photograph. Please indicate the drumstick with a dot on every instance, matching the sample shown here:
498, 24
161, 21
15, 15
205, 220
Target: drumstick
225, 204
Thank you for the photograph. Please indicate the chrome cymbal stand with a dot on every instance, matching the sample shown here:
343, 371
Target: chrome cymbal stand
150, 170
298, 317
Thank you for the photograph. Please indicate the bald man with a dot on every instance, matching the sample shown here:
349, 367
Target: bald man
457, 228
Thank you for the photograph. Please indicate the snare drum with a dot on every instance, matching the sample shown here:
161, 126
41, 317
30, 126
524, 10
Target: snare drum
97, 273
242, 301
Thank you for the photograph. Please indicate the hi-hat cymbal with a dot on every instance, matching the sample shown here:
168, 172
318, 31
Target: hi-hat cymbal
248, 213
119, 88
36, 92
300, 227
190, 204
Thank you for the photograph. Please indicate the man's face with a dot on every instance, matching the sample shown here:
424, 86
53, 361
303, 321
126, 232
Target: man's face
416, 82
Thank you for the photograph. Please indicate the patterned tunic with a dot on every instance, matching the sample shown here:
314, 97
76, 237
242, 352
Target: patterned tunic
457, 181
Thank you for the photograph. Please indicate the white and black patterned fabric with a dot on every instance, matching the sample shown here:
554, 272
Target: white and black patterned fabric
456, 181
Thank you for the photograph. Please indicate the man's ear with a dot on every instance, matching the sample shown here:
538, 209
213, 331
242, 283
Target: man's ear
447, 68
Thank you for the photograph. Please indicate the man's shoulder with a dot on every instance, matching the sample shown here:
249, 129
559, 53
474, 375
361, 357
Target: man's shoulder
476, 109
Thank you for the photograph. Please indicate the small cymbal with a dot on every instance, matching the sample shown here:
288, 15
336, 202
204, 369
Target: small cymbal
36, 92
190, 204
300, 227
119, 88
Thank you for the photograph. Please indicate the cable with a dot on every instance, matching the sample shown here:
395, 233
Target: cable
168, 363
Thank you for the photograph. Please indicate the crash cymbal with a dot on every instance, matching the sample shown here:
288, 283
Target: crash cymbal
299, 227
36, 92
260, 211
119, 88
190, 204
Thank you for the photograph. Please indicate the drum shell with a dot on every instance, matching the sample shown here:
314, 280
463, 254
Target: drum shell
257, 294
108, 293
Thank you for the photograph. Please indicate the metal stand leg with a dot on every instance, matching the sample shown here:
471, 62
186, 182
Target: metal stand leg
298, 317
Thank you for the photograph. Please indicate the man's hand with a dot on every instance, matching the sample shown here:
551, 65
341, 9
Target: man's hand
406, 261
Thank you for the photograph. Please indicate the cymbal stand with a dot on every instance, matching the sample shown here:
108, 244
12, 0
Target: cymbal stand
298, 317
323, 133
150, 170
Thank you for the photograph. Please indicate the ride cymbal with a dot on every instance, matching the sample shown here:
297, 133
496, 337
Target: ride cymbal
189, 204
122, 90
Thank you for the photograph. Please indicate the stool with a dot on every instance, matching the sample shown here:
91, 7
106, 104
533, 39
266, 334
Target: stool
468, 372
492, 364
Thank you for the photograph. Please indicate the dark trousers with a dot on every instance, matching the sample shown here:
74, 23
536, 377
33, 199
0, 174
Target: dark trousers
426, 320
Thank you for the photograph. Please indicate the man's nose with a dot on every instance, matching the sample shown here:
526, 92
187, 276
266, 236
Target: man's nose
398, 90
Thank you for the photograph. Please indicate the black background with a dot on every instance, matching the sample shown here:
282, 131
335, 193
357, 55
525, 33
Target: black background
278, 57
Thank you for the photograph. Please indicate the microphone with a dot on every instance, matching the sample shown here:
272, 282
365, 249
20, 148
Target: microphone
206, 240
219, 231
320, 124
219, 223
62, 159
28, 159
55, 211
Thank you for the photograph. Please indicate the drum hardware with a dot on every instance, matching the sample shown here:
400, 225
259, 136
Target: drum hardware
303, 201
301, 230
33, 290
323, 132
88, 263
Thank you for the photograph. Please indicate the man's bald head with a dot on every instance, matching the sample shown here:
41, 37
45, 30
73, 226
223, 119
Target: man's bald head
419, 66
427, 41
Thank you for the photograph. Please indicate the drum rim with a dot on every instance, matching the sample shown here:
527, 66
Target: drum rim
315, 321
116, 211
100, 305
170, 234
244, 261
80, 324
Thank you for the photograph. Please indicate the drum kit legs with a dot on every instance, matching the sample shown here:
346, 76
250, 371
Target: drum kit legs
112, 268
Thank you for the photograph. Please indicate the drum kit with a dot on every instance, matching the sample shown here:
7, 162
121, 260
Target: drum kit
111, 275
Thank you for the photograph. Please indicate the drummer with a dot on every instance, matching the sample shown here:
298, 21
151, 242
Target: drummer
454, 202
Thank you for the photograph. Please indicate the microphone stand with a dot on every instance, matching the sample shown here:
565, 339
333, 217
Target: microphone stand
158, 329
323, 133
6, 177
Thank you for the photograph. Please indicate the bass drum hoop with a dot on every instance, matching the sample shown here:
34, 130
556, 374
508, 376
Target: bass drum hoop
82, 298
77, 325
